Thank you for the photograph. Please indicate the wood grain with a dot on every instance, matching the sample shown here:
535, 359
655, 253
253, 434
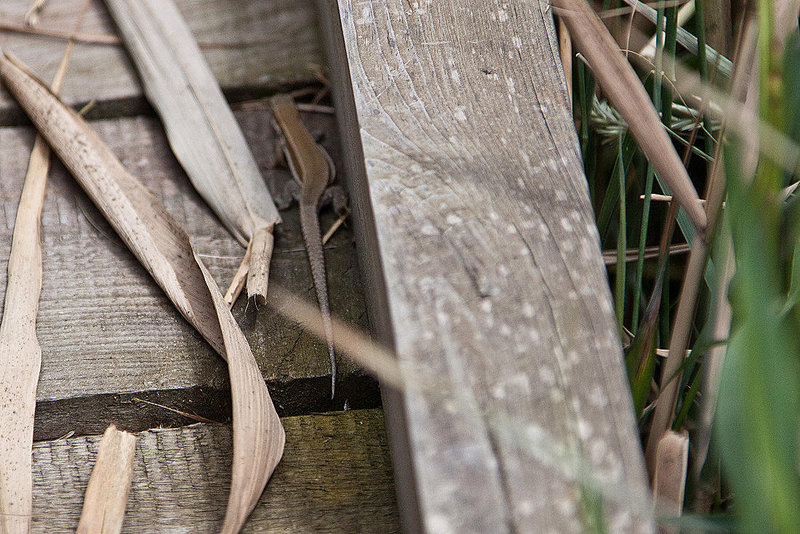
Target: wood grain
483, 267
106, 329
335, 477
252, 46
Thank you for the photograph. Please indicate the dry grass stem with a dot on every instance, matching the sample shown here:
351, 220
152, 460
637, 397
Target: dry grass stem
20, 353
201, 128
685, 39
374, 358
164, 248
626, 93
632, 254
109, 485
335, 226
88, 38
684, 317
32, 15
669, 481
565, 49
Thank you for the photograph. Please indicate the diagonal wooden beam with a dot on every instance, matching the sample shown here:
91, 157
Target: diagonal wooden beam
483, 267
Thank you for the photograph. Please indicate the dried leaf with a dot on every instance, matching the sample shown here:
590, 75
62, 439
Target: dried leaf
109, 485
164, 248
20, 353
200, 125
628, 96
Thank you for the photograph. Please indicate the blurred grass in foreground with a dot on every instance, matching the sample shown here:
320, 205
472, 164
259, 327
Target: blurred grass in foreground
749, 480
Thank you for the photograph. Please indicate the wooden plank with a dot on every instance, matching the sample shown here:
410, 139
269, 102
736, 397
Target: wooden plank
335, 476
484, 270
252, 46
106, 329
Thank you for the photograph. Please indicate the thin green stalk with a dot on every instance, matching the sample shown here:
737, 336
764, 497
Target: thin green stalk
622, 244
688, 400
700, 30
648, 188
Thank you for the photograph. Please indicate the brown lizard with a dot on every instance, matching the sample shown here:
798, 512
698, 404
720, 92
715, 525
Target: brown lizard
313, 171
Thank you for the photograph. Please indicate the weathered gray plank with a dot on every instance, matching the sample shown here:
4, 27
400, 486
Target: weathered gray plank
106, 328
482, 259
335, 476
251, 45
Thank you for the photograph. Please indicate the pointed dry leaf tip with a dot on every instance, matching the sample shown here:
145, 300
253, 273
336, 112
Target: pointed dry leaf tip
163, 247
109, 484
200, 125
628, 96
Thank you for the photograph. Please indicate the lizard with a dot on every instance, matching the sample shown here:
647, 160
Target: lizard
313, 171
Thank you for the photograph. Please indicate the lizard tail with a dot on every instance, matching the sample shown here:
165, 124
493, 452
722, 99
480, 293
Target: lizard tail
313, 238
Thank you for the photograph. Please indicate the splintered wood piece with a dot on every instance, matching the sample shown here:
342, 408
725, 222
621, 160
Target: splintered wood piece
669, 480
20, 353
109, 485
164, 248
626, 93
200, 125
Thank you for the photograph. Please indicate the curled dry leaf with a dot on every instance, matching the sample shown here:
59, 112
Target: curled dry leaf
109, 485
628, 96
201, 128
163, 247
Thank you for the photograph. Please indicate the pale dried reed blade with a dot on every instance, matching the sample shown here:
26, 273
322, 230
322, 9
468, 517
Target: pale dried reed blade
20, 353
669, 481
163, 247
109, 485
201, 128
628, 96
669, 385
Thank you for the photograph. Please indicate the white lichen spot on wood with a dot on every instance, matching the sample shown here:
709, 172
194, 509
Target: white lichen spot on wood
440, 523
366, 16
459, 114
566, 507
585, 429
525, 508
621, 521
547, 376
510, 84
597, 451
534, 335
527, 309
517, 42
499, 392
597, 398
453, 219
429, 229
